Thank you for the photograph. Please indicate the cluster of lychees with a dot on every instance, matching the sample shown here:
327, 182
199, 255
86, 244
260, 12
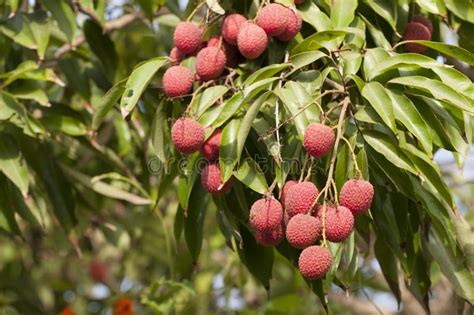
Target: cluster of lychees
303, 221
420, 28
240, 38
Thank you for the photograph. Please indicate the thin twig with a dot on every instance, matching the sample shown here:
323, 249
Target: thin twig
353, 157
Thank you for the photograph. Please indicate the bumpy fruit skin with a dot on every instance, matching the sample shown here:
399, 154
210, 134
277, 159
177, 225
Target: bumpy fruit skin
318, 139
210, 148
416, 31
266, 214
303, 230
284, 190
187, 135
97, 271
187, 37
212, 182
314, 262
425, 21
177, 81
252, 40
210, 63
300, 198
231, 27
356, 195
231, 53
339, 223
176, 55
293, 26
273, 18
269, 238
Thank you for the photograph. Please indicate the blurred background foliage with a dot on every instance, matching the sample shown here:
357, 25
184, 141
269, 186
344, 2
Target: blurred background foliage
78, 224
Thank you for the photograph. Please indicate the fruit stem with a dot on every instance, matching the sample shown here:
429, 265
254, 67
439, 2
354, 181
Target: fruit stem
195, 11
303, 169
310, 169
354, 158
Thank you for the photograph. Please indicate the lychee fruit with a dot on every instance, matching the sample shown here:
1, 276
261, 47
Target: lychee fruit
231, 27
211, 180
210, 63
269, 238
356, 195
314, 262
187, 135
303, 230
210, 148
416, 31
187, 37
252, 40
284, 190
339, 223
97, 271
176, 55
231, 53
318, 139
423, 20
300, 198
177, 81
273, 18
266, 214
293, 26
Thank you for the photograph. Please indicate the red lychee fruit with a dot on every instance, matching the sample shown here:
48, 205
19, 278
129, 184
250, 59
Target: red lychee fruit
318, 139
176, 55
187, 37
423, 20
293, 25
356, 195
210, 63
339, 223
303, 230
211, 180
266, 214
273, 18
252, 40
416, 31
284, 190
269, 238
300, 198
187, 135
97, 271
314, 262
177, 81
231, 27
231, 53
210, 149
201, 47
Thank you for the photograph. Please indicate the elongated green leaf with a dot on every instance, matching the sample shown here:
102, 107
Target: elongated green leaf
158, 139
406, 112
138, 81
315, 17
388, 264
386, 9
102, 46
434, 6
228, 150
207, 98
463, 9
377, 96
400, 61
377, 35
439, 90
317, 41
342, 12
303, 59
265, 73
106, 103
250, 174
41, 29
12, 163
194, 220
18, 29
30, 90
64, 15
450, 50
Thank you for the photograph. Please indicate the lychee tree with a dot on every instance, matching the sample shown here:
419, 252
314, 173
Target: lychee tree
305, 129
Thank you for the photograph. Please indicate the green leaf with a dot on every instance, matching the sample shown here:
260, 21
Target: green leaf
64, 119
463, 9
388, 264
386, 9
250, 174
207, 98
41, 29
257, 259
342, 12
138, 81
214, 6
434, 6
385, 146
12, 163
439, 90
312, 15
406, 112
450, 50
377, 96
102, 46
194, 219
218, 115
303, 59
317, 41
377, 35
158, 136
106, 103
265, 73
64, 15
18, 29
30, 90
228, 150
